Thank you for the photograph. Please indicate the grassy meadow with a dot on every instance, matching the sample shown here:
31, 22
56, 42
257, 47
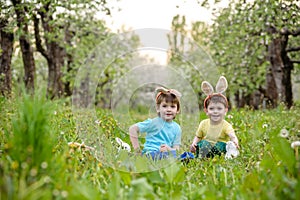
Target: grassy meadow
37, 163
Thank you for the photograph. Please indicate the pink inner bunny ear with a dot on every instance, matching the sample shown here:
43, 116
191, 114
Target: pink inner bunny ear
221, 85
207, 88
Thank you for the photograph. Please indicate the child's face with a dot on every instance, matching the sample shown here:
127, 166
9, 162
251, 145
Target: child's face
216, 112
167, 110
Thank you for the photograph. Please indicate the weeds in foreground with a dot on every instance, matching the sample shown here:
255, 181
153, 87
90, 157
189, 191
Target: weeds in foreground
36, 162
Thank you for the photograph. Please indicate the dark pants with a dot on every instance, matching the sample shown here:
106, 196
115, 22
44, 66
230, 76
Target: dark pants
205, 149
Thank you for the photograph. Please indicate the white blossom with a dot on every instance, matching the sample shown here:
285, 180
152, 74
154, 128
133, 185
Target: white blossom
295, 144
284, 133
44, 165
229, 116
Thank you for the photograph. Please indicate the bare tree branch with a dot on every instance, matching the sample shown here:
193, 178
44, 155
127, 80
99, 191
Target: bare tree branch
293, 49
38, 41
295, 61
286, 31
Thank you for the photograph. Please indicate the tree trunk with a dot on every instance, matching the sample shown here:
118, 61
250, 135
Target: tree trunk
287, 70
55, 85
67, 83
6, 39
53, 53
275, 88
27, 52
29, 65
271, 95
279, 85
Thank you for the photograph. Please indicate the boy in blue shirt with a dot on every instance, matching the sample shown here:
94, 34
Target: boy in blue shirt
163, 135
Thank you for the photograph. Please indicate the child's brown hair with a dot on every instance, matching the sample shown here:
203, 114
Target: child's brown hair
168, 97
215, 98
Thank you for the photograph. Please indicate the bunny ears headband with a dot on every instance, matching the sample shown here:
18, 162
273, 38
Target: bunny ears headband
162, 90
208, 89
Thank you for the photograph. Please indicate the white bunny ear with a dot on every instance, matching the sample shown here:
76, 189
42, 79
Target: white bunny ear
119, 141
221, 85
207, 88
161, 89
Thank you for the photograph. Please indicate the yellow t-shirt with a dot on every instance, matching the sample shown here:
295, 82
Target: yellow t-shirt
214, 133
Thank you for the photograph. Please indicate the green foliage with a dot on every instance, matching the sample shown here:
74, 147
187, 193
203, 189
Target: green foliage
265, 169
31, 134
239, 36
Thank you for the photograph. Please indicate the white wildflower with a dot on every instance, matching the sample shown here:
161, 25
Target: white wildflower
55, 192
229, 116
257, 165
265, 126
24, 165
47, 179
44, 165
284, 133
64, 194
33, 172
295, 144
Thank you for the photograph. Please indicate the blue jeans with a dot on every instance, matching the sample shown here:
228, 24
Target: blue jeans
206, 150
158, 155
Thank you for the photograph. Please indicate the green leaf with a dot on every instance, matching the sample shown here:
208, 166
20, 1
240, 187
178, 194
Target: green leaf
174, 173
284, 151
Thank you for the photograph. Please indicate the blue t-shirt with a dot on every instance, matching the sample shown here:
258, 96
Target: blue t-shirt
158, 132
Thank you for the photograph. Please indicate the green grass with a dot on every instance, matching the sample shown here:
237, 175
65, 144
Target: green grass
37, 163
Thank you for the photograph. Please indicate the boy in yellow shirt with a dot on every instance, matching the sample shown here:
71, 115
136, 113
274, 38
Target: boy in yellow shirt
214, 132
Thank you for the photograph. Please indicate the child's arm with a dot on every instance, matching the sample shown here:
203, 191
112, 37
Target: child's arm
234, 139
133, 133
194, 144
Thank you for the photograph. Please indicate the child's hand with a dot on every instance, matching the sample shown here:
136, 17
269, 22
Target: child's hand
193, 148
237, 145
137, 151
164, 148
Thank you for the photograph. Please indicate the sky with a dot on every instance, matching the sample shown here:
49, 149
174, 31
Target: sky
137, 14
132, 15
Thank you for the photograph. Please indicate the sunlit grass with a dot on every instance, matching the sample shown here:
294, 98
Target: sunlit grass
37, 163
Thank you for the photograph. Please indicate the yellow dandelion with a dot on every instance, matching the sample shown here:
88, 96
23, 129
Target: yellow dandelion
14, 165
